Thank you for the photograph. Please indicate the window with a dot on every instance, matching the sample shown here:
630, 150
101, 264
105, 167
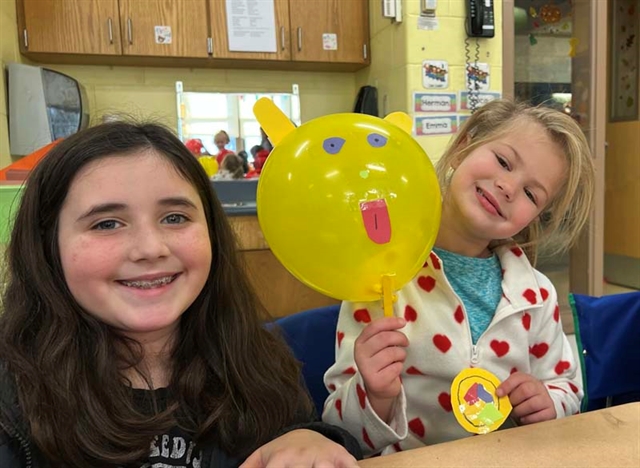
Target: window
202, 115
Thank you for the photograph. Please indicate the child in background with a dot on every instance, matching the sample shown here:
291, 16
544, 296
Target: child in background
130, 335
513, 178
231, 168
221, 139
196, 147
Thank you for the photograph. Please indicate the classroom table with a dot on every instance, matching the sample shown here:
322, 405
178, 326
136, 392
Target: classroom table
606, 438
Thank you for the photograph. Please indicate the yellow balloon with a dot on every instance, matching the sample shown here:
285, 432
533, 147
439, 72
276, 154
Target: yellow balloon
347, 199
210, 164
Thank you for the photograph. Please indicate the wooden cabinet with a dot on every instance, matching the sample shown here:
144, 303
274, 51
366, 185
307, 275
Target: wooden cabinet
330, 30
166, 28
320, 31
70, 26
220, 35
310, 34
280, 292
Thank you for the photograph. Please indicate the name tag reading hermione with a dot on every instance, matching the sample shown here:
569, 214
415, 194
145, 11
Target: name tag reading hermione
475, 403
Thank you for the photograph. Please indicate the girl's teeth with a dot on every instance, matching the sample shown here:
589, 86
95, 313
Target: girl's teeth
148, 284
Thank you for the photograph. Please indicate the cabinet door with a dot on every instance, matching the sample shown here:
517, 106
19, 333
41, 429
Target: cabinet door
245, 15
166, 28
71, 26
330, 30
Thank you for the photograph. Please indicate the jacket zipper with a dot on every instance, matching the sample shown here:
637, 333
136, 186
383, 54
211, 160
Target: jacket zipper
23, 443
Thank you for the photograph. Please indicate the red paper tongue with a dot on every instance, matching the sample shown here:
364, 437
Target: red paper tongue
376, 220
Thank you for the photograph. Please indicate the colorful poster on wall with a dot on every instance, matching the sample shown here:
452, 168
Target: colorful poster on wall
481, 99
435, 125
435, 102
435, 74
477, 76
462, 118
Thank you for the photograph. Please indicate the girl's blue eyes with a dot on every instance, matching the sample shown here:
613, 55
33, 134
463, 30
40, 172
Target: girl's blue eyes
530, 195
527, 192
175, 218
110, 224
333, 145
105, 225
502, 161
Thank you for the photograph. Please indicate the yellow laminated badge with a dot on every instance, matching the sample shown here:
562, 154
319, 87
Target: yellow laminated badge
475, 403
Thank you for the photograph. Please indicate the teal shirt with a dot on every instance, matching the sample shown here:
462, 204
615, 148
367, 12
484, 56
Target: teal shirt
478, 284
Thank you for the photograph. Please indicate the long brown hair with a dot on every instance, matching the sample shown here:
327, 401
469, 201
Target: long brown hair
561, 222
232, 381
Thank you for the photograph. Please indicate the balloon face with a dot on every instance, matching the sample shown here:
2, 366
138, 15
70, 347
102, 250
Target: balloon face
346, 199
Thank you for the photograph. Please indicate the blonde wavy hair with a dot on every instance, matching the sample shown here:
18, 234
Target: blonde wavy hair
560, 223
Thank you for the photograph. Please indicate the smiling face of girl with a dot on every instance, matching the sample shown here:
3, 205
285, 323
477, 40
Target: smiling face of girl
134, 243
502, 186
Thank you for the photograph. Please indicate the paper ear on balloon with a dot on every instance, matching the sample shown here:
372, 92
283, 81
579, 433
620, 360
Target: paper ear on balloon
400, 119
272, 120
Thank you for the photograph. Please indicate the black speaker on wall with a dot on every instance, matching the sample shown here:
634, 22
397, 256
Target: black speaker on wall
367, 101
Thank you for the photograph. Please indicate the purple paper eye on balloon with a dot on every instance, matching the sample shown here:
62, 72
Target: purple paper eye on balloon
333, 145
376, 140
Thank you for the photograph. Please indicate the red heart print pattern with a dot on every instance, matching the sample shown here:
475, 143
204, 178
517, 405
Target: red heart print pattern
414, 371
513, 370
362, 315
410, 314
562, 366
340, 336
526, 321
458, 314
416, 426
539, 349
544, 293
517, 251
500, 347
530, 295
556, 313
332, 387
362, 396
427, 283
435, 261
442, 343
445, 401
338, 405
366, 439
554, 387
349, 371
397, 447
573, 388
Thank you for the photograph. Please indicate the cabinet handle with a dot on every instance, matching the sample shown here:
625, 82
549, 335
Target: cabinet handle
110, 26
299, 39
25, 37
281, 37
130, 30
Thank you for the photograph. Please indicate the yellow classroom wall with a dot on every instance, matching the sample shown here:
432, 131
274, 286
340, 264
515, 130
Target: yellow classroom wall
398, 50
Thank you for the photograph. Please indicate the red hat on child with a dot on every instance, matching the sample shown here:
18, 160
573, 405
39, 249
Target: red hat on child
194, 145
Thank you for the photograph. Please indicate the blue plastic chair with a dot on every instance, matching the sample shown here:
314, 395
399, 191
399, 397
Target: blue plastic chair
608, 338
311, 335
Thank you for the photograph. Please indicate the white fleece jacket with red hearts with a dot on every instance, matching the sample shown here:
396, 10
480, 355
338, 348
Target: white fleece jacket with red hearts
525, 335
